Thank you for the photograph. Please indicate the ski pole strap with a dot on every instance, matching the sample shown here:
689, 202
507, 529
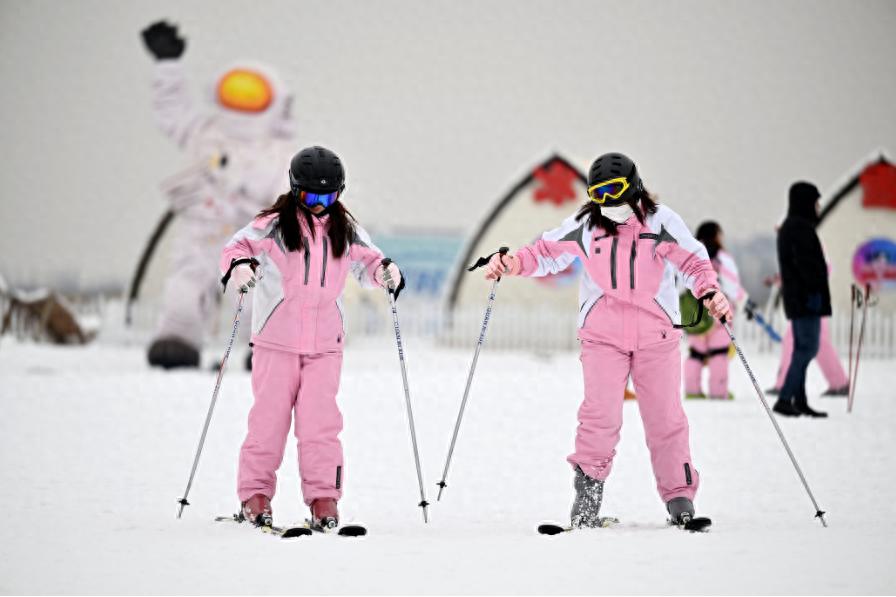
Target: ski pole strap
483, 261
386, 262
233, 263
707, 296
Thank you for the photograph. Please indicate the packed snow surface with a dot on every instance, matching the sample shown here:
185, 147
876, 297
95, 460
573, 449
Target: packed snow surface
95, 449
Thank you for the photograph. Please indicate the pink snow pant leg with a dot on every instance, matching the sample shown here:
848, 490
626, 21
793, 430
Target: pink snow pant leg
827, 358
715, 340
656, 373
303, 386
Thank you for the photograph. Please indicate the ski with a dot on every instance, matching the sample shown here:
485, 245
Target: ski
699, 524
550, 528
281, 532
349, 530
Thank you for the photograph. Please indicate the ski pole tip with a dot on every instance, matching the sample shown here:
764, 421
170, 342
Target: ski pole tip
820, 515
442, 485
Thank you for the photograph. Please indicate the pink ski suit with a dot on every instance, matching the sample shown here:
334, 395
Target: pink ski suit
827, 358
628, 308
297, 334
711, 348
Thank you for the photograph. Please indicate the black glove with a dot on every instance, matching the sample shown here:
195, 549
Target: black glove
163, 42
750, 309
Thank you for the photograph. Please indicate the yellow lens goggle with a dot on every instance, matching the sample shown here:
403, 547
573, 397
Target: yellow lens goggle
608, 189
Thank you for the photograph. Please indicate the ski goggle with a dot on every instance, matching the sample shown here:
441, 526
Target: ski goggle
312, 199
608, 189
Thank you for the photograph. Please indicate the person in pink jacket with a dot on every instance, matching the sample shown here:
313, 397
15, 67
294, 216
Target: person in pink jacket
711, 348
297, 255
628, 323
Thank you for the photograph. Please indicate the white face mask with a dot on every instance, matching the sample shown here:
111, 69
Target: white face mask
618, 213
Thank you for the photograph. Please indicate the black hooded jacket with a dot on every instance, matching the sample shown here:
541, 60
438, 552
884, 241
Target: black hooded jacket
804, 272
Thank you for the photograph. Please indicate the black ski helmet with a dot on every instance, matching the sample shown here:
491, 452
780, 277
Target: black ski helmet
615, 165
316, 170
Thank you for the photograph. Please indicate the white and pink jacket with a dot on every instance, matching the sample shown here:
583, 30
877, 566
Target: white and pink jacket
297, 304
636, 267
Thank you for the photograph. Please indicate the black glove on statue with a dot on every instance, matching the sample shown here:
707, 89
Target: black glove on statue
163, 42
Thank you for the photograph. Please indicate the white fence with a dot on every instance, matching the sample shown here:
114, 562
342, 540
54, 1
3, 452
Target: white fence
511, 327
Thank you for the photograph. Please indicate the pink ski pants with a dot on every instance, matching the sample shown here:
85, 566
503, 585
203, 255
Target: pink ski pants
303, 386
827, 357
710, 343
656, 373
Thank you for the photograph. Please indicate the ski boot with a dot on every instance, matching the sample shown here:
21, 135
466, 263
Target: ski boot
586, 507
257, 510
695, 396
324, 515
837, 392
681, 509
681, 513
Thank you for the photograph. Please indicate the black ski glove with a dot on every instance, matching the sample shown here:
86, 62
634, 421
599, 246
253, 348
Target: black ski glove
163, 42
750, 309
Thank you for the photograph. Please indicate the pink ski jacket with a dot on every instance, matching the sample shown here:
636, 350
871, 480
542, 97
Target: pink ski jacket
729, 278
297, 304
632, 272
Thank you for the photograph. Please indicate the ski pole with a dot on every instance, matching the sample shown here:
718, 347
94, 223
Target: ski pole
211, 407
855, 373
404, 378
819, 513
463, 403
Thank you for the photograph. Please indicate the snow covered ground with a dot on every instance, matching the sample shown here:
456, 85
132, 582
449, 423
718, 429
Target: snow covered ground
95, 448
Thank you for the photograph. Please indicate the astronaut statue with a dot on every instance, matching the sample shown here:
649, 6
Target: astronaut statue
239, 147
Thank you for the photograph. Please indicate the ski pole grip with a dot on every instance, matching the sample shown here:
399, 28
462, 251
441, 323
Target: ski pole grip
483, 261
386, 262
708, 296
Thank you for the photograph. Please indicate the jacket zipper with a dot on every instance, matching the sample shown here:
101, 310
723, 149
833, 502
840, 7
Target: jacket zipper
323, 272
631, 262
613, 261
307, 258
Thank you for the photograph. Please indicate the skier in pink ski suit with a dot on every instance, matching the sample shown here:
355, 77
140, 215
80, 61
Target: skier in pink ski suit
711, 348
628, 324
827, 358
297, 255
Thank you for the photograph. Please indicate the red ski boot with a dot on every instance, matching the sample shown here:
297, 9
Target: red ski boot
257, 510
324, 515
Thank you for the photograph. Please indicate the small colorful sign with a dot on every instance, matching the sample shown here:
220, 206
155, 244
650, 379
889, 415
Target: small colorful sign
874, 263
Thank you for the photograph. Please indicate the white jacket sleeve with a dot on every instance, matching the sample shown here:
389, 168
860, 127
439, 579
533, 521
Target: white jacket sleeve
171, 102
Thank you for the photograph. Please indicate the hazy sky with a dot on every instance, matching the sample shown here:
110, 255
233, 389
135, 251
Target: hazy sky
437, 107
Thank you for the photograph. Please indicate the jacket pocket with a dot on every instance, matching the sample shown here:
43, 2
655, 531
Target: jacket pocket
268, 294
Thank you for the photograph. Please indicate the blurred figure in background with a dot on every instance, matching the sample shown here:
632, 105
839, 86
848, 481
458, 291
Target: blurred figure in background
239, 146
828, 361
807, 297
711, 347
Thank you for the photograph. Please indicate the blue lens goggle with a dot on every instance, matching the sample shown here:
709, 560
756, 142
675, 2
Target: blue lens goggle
312, 199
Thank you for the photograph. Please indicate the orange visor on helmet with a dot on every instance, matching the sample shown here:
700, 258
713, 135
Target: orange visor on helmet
245, 91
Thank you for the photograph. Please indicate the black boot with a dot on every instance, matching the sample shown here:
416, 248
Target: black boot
804, 409
786, 408
172, 352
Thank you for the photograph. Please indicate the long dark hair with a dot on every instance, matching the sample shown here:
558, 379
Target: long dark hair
340, 225
641, 202
708, 234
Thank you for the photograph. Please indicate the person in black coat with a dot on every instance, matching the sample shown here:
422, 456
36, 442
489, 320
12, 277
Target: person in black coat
807, 297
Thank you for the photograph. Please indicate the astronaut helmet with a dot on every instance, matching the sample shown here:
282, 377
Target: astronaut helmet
251, 101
